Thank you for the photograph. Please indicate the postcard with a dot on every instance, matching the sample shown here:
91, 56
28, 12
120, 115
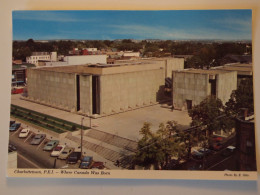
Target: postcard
132, 94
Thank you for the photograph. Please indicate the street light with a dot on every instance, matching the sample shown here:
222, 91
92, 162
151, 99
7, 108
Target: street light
81, 135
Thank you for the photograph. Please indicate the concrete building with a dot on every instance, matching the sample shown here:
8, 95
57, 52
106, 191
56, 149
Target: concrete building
191, 86
244, 70
36, 56
169, 63
76, 60
131, 54
98, 89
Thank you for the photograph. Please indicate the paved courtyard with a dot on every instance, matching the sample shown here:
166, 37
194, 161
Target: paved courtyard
125, 124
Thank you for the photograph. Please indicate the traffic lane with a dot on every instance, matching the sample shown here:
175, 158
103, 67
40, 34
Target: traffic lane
23, 162
36, 153
229, 163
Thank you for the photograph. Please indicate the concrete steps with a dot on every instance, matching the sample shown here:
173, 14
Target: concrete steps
110, 147
111, 139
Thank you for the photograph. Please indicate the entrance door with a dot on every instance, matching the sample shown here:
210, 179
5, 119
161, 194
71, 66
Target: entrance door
189, 104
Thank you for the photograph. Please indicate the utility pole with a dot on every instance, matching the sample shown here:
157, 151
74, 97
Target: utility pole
81, 146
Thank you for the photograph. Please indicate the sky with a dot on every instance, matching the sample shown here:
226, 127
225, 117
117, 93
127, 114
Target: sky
110, 25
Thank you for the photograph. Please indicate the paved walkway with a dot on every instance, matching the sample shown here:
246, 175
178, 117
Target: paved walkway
127, 124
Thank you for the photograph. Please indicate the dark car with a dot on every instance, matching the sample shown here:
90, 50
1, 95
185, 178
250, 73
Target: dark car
197, 155
11, 122
38, 138
205, 151
97, 165
216, 146
74, 157
11, 148
14, 126
86, 162
229, 151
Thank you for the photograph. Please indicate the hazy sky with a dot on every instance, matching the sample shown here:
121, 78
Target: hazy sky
102, 25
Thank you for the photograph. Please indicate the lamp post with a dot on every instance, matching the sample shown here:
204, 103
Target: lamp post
81, 148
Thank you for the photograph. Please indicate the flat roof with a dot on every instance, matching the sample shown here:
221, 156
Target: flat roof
103, 69
242, 69
203, 71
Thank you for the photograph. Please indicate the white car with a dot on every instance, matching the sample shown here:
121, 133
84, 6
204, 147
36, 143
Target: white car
24, 133
57, 150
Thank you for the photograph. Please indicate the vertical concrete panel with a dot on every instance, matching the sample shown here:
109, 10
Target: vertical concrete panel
86, 94
125, 91
189, 86
49, 87
226, 83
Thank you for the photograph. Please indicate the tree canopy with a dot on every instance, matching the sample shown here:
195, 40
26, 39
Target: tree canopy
243, 97
158, 148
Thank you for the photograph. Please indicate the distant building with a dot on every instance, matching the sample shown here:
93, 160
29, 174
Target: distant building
245, 141
191, 86
244, 70
131, 54
76, 60
36, 56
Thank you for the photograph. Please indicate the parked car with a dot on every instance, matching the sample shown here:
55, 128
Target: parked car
229, 150
74, 157
205, 151
86, 162
50, 145
216, 138
97, 165
24, 133
57, 150
65, 153
11, 122
216, 146
11, 148
197, 155
38, 138
15, 126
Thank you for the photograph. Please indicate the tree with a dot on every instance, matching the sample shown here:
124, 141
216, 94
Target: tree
210, 115
241, 98
158, 148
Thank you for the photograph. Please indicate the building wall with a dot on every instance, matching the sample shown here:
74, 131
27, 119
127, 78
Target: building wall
226, 83
173, 64
126, 91
189, 86
85, 59
52, 88
86, 94
34, 59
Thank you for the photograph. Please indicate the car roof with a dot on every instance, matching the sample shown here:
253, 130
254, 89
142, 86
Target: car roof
231, 147
52, 141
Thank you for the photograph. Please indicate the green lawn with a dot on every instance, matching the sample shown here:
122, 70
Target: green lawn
49, 122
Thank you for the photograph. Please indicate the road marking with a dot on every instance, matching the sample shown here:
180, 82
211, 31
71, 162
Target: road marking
220, 162
40, 144
16, 132
32, 163
30, 134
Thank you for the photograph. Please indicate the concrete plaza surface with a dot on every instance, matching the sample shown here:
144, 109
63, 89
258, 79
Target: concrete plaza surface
127, 124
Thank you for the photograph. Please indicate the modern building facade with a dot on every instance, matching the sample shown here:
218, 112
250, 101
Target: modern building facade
191, 86
98, 89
